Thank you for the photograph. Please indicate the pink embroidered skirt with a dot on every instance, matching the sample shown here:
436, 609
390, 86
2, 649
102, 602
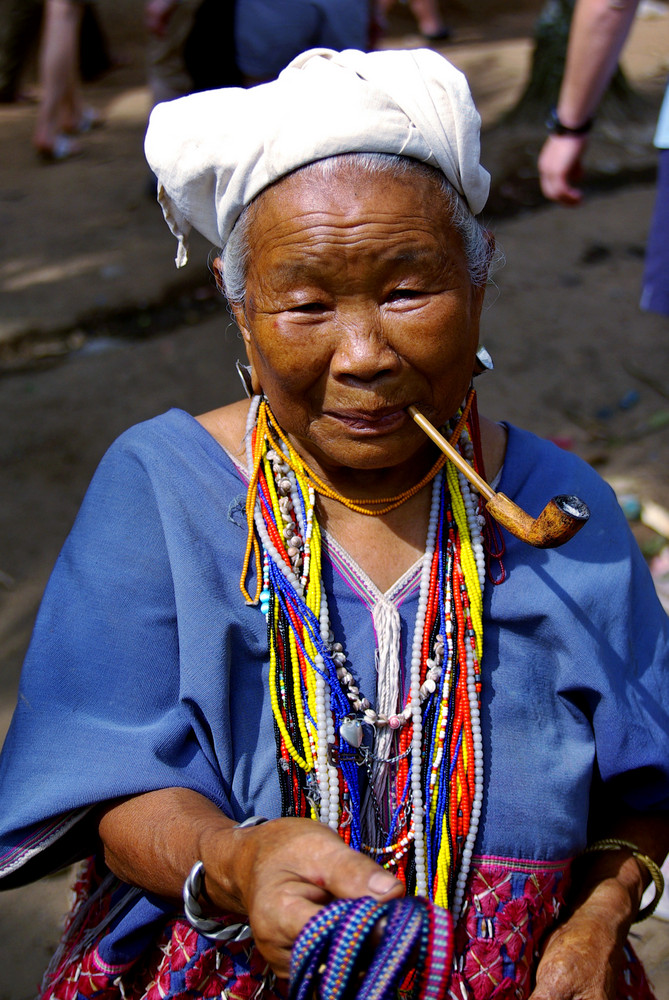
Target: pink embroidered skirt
509, 908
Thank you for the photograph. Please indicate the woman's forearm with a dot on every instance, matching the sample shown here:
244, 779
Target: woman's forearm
598, 32
582, 957
648, 833
153, 840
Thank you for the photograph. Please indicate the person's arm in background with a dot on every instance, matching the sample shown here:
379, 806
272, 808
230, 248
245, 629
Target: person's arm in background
157, 14
598, 32
581, 959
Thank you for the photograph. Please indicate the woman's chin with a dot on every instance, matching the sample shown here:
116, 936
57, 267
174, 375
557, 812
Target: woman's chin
361, 449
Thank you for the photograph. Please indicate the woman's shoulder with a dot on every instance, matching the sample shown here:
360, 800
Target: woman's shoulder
227, 426
534, 471
176, 440
163, 479
533, 465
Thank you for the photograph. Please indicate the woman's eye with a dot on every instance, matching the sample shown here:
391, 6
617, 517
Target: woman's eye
404, 293
310, 307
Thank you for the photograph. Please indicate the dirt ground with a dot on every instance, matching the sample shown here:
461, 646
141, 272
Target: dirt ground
98, 331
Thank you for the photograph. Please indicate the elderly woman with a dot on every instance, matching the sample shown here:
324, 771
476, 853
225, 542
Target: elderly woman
294, 609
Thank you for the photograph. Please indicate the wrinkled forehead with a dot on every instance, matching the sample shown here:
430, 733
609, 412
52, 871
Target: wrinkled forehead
346, 190
351, 230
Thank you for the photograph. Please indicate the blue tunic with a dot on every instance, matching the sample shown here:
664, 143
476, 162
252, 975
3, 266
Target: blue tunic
147, 670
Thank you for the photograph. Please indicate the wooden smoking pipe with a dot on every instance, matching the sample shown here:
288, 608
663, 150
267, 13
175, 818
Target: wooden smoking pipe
559, 521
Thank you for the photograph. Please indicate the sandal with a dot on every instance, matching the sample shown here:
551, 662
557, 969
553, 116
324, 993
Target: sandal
62, 149
89, 119
441, 35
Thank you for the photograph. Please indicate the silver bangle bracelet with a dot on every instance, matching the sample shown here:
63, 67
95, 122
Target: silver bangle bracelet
213, 929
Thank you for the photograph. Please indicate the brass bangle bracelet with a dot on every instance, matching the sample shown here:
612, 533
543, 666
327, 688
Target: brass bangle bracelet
615, 844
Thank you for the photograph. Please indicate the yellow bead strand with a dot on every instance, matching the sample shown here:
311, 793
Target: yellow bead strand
472, 582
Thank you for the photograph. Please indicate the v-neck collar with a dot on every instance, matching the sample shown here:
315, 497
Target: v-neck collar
361, 584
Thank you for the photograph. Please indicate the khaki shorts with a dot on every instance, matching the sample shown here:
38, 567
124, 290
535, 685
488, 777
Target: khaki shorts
166, 72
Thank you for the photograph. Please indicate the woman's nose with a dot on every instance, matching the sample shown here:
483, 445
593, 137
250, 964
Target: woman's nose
363, 349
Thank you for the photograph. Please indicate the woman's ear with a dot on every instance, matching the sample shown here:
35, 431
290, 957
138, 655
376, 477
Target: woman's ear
217, 269
250, 378
239, 314
252, 381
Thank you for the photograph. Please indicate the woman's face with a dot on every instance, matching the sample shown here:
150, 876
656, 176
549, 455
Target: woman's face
358, 303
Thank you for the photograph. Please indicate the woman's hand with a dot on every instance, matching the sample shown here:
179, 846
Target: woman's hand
582, 957
278, 874
284, 872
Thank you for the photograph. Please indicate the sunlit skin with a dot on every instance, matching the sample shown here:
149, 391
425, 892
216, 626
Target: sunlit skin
359, 302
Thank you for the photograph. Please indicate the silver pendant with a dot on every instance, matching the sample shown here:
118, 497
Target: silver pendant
351, 731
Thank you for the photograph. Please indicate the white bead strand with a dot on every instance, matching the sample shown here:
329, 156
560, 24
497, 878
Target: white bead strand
418, 810
332, 773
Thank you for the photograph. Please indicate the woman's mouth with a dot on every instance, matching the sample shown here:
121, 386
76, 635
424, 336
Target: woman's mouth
372, 421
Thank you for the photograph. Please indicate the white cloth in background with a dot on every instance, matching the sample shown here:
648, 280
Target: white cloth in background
661, 139
213, 152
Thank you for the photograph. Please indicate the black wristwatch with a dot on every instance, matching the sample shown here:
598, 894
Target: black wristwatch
555, 126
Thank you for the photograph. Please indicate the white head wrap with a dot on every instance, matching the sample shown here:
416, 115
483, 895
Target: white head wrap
213, 152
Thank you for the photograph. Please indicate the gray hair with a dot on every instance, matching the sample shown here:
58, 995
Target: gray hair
236, 254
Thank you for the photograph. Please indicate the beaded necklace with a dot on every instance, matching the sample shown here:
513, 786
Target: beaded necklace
418, 814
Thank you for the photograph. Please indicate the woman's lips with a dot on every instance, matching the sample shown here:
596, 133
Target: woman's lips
378, 421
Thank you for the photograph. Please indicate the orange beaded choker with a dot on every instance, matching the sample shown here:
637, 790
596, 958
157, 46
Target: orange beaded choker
268, 429
298, 465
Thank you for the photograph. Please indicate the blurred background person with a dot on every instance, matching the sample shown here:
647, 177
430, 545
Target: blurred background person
61, 113
428, 17
190, 47
270, 33
206, 44
598, 33
19, 30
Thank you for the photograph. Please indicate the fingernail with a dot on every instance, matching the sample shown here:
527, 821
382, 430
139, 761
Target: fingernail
381, 882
